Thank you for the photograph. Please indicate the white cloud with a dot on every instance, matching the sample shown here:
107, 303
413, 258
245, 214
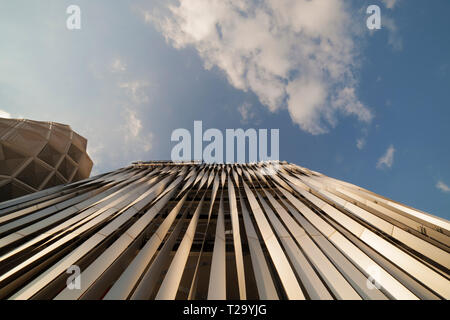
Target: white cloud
246, 112
118, 65
136, 90
133, 125
297, 55
125, 138
4, 114
443, 187
387, 160
347, 101
138, 140
360, 143
394, 38
390, 4
135, 139
147, 142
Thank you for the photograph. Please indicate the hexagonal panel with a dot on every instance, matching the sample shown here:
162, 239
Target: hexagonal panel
50, 156
10, 160
33, 174
67, 168
12, 190
32, 151
55, 180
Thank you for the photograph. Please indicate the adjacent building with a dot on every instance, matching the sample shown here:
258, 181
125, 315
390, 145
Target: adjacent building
269, 230
36, 155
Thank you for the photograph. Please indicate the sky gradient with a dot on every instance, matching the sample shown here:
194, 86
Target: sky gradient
366, 106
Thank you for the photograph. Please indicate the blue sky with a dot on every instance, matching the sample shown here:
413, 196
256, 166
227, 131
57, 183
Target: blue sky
368, 107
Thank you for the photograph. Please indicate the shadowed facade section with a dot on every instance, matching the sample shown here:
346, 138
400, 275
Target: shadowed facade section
269, 230
36, 155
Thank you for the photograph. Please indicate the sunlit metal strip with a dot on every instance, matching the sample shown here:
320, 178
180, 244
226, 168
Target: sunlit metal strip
247, 175
309, 278
264, 281
364, 199
338, 284
212, 175
86, 200
130, 277
394, 287
169, 286
112, 197
444, 224
49, 213
357, 280
192, 177
431, 232
223, 177
37, 197
48, 203
235, 176
332, 238
236, 239
429, 277
285, 272
168, 189
195, 276
395, 216
151, 276
108, 196
260, 172
200, 175
426, 229
50, 274
418, 289
356, 211
421, 215
418, 244
98, 268
45, 212
411, 265
20, 234
217, 279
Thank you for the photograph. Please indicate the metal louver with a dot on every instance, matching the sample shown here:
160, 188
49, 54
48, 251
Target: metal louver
163, 230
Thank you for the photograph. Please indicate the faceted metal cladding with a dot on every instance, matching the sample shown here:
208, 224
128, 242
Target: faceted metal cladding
164, 230
37, 155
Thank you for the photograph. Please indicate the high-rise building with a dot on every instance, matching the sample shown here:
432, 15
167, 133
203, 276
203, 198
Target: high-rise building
36, 155
270, 230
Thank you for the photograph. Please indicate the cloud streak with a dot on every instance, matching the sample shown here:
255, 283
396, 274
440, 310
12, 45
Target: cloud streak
360, 143
118, 65
297, 55
394, 38
390, 4
123, 137
246, 112
387, 160
443, 187
133, 132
